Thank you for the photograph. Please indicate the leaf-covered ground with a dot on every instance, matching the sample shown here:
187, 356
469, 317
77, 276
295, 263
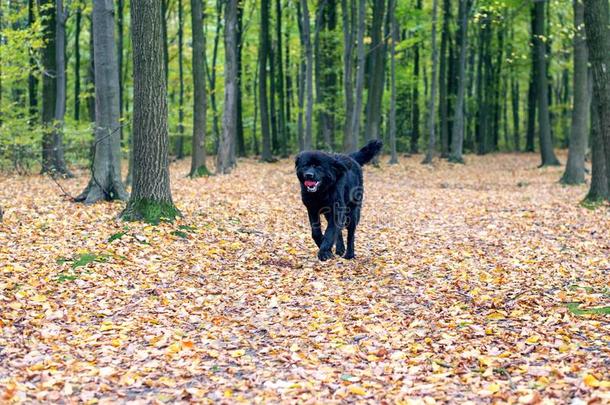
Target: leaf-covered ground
461, 290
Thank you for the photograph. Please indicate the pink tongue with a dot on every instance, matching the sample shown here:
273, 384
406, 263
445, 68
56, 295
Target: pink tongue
309, 183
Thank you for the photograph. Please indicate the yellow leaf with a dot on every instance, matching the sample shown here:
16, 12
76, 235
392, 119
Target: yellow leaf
39, 298
591, 381
532, 340
495, 316
493, 388
238, 353
356, 389
349, 349
174, 347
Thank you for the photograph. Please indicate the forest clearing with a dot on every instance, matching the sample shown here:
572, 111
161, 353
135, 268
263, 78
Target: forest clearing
463, 288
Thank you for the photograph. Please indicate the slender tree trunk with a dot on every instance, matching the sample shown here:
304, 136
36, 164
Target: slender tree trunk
211, 73
263, 57
77, 29
180, 138
300, 84
282, 132
457, 136
151, 198
198, 157
348, 17
241, 143
32, 77
443, 102
395, 39
544, 123
575, 167
120, 46
105, 180
414, 147
308, 75
224, 162
433, 82
376, 76
360, 69
596, 17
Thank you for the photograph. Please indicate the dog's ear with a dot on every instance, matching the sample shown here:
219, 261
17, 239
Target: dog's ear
339, 167
297, 160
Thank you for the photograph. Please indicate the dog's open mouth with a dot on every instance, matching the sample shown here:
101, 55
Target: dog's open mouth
311, 185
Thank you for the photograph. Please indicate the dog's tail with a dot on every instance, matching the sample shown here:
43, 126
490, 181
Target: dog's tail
367, 153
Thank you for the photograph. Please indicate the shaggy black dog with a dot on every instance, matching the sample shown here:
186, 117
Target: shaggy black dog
331, 184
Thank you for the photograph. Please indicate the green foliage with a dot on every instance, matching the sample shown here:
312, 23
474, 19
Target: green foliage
573, 307
150, 211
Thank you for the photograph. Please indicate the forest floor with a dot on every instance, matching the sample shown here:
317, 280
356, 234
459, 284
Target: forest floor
465, 287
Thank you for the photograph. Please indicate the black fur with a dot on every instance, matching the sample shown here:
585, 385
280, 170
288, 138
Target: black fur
332, 185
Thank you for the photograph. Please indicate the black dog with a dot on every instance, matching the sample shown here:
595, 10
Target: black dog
331, 184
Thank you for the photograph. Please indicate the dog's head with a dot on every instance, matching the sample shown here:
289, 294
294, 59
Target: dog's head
318, 171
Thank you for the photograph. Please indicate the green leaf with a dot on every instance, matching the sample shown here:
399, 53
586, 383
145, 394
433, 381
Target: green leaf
573, 307
115, 236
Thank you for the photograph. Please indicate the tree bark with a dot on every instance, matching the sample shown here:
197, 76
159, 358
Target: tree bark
575, 166
376, 73
77, 29
224, 161
596, 16
32, 77
395, 39
198, 157
263, 57
349, 32
360, 68
414, 144
281, 124
53, 62
433, 82
105, 180
306, 37
544, 121
443, 102
180, 138
151, 197
457, 136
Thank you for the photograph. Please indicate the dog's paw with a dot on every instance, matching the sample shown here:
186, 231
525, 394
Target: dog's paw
324, 255
349, 255
340, 250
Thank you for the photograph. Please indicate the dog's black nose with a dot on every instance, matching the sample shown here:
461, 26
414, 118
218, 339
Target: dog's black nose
309, 175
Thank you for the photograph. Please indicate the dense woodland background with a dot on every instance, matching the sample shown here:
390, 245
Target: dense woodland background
279, 76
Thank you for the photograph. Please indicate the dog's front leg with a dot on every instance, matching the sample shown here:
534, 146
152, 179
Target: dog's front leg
336, 219
316, 225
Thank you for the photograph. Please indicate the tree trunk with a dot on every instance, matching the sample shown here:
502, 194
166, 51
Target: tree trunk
105, 180
596, 16
198, 157
457, 136
281, 124
32, 77
120, 45
349, 32
544, 122
376, 73
180, 138
77, 29
52, 148
395, 39
241, 143
575, 167
433, 82
443, 102
599, 189
224, 162
151, 198
415, 112
263, 56
360, 69
211, 73
306, 37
